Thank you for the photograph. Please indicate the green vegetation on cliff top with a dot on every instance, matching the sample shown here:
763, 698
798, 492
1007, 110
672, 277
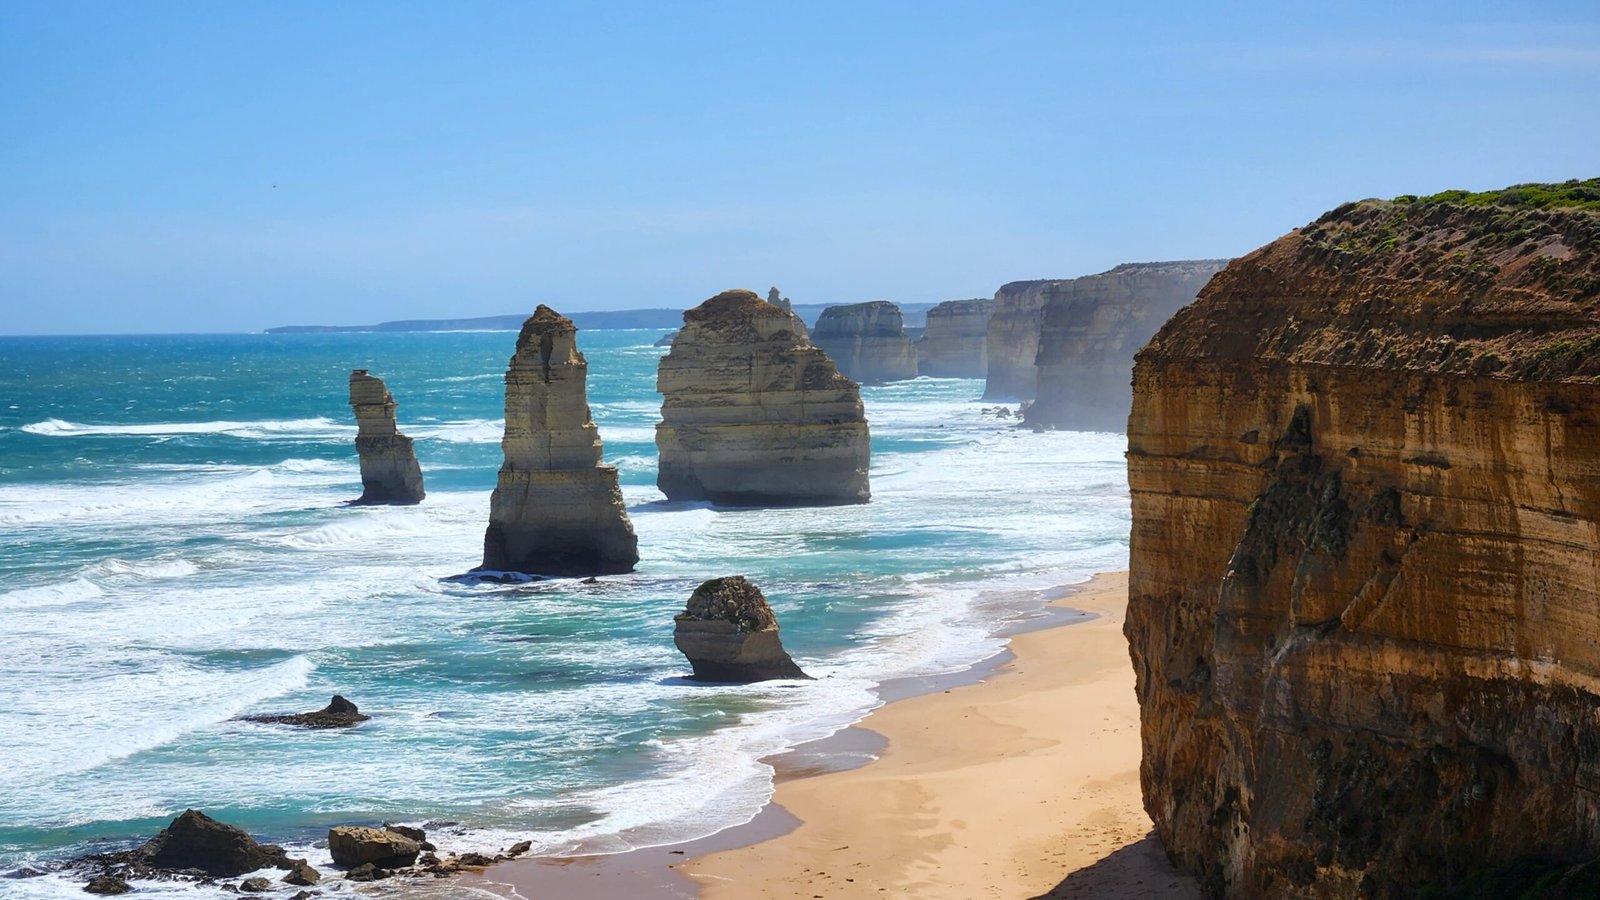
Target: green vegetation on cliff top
1572, 194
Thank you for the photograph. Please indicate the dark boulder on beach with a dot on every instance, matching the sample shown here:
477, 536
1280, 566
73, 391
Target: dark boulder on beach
355, 845
729, 634
339, 713
107, 885
194, 840
302, 873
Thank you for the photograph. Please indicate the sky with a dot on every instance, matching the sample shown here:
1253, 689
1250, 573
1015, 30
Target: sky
209, 167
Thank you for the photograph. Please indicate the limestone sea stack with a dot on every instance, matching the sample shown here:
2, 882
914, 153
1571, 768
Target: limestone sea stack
777, 299
389, 470
557, 508
729, 634
1089, 330
1365, 559
955, 342
753, 415
867, 341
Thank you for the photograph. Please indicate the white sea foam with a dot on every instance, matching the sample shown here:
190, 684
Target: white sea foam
320, 427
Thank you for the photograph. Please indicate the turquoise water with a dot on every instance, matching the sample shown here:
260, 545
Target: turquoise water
174, 552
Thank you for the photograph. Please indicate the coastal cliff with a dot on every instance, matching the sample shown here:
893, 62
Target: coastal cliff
390, 474
1089, 330
1365, 557
955, 341
557, 508
753, 415
1013, 340
867, 341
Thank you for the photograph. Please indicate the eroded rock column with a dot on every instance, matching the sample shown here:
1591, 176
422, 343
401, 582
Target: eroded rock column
557, 508
389, 470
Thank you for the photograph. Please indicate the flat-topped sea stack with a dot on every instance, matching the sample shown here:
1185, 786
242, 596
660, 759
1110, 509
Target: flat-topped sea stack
753, 415
729, 634
1365, 564
1089, 330
955, 342
557, 509
389, 470
867, 341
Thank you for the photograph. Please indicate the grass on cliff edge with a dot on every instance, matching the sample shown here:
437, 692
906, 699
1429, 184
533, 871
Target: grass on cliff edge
1572, 194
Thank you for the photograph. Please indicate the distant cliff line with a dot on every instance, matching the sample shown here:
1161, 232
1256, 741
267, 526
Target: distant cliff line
915, 314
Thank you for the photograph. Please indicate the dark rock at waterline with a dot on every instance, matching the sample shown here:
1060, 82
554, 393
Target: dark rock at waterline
366, 872
302, 873
355, 845
194, 840
339, 713
255, 885
24, 872
107, 884
729, 634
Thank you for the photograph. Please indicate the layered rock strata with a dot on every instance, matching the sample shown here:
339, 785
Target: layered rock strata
1089, 330
954, 344
389, 470
1365, 589
729, 634
867, 341
753, 415
557, 508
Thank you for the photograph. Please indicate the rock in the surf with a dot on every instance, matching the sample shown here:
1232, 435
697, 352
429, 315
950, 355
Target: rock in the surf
729, 634
557, 509
302, 873
356, 845
107, 886
194, 840
339, 713
753, 415
389, 470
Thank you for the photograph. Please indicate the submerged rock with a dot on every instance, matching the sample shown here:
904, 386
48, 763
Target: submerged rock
339, 713
557, 508
1365, 553
194, 840
107, 885
753, 415
955, 342
730, 634
356, 845
867, 341
389, 470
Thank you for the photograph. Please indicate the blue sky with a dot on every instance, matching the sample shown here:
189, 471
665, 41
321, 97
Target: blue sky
231, 166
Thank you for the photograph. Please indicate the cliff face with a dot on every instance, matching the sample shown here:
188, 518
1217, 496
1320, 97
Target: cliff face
557, 509
389, 470
955, 342
867, 341
1365, 589
752, 414
1089, 330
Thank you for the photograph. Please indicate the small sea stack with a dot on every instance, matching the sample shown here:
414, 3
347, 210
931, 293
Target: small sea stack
776, 298
868, 341
557, 508
729, 634
339, 713
390, 474
955, 342
753, 415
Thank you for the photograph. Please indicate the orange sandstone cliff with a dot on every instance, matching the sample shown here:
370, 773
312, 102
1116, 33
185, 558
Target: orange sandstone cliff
1365, 588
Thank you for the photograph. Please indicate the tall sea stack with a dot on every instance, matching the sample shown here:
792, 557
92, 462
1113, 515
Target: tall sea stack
753, 415
557, 509
955, 342
777, 299
1365, 586
1089, 330
867, 341
389, 470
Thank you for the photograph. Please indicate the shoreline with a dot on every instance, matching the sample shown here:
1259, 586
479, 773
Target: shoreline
1038, 795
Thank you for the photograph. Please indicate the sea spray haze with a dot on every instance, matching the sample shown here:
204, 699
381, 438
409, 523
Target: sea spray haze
175, 551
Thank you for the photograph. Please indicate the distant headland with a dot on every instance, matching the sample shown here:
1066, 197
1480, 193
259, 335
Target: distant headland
915, 314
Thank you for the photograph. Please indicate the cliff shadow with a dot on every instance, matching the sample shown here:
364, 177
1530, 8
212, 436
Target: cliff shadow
1140, 869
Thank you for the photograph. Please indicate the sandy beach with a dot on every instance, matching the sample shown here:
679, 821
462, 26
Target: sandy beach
1024, 784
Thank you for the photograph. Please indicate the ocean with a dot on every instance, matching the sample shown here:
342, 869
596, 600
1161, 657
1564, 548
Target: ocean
175, 551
